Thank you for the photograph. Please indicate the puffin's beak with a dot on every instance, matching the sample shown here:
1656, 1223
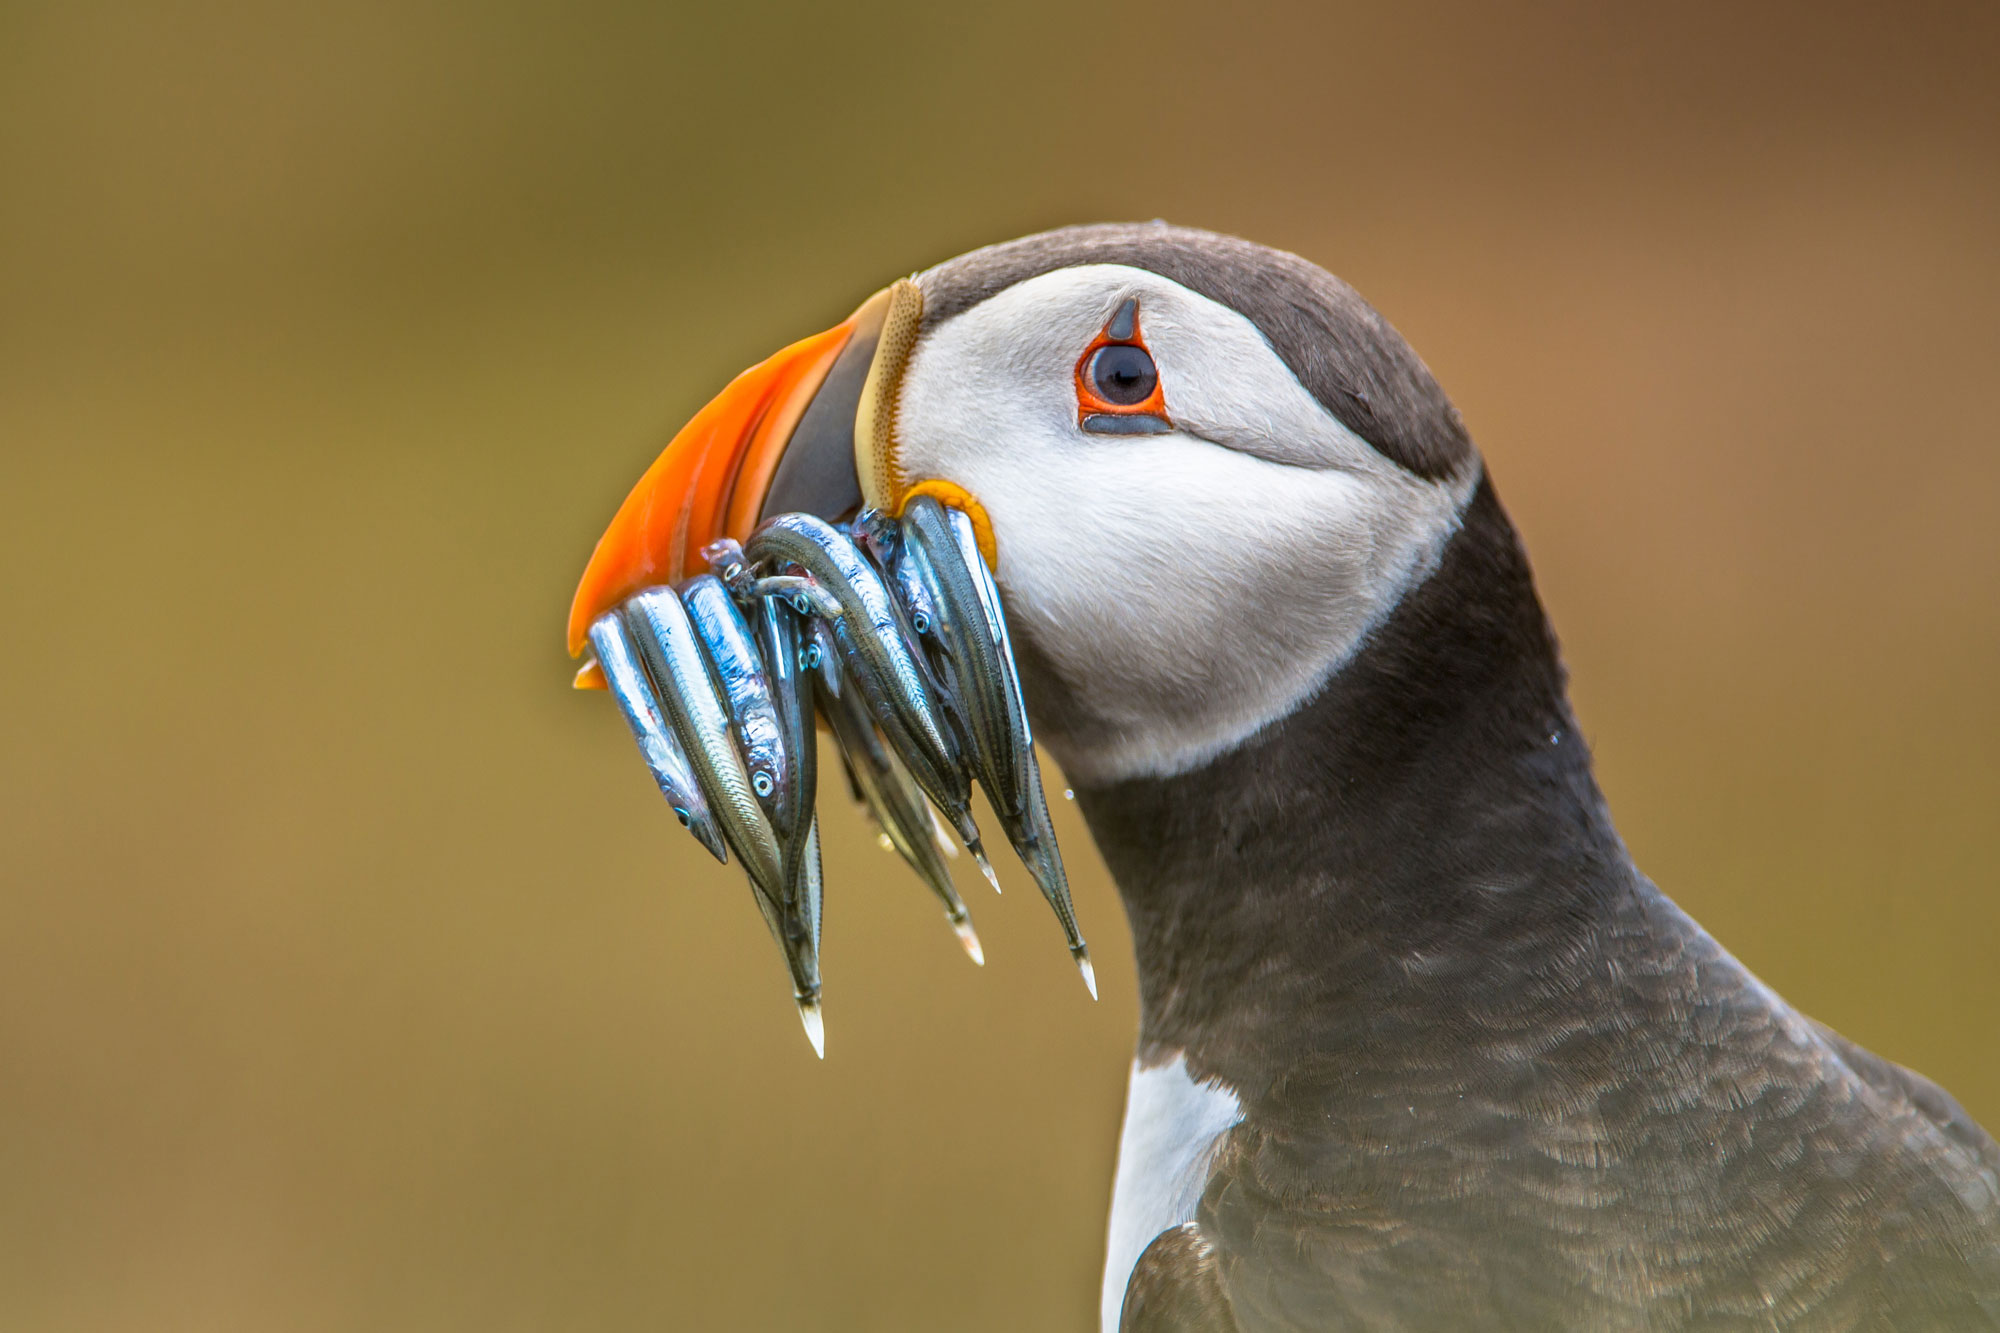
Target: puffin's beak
798, 432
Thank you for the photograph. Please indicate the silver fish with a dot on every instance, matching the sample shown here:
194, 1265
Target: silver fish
727, 561
914, 586
782, 638
925, 614
942, 553
806, 883
805, 596
1034, 840
693, 704
882, 538
773, 719
663, 754
874, 652
963, 648
891, 795
779, 639
739, 670
671, 650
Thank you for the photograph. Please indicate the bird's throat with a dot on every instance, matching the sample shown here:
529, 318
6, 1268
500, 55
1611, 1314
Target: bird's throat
1375, 851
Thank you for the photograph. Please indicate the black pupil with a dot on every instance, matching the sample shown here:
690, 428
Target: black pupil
1123, 374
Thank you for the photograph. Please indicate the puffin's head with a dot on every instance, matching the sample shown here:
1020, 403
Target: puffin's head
1202, 470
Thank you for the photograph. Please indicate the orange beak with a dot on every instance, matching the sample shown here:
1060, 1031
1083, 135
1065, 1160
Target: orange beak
796, 432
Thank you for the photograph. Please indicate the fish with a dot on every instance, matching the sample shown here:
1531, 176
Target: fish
958, 638
806, 919
915, 586
782, 637
874, 651
662, 753
671, 649
880, 536
728, 563
1033, 837
739, 671
941, 552
881, 783
891, 631
883, 539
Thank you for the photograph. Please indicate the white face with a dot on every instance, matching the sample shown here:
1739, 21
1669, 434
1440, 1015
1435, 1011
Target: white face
1182, 589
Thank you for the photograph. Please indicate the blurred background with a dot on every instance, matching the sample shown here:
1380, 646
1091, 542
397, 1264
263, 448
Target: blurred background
352, 976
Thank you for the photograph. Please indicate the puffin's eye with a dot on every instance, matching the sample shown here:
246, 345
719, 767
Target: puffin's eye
1123, 374
1117, 384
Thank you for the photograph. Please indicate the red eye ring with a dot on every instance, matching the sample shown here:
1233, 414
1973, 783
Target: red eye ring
1097, 413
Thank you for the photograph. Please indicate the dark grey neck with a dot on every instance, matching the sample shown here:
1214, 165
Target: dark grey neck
1385, 860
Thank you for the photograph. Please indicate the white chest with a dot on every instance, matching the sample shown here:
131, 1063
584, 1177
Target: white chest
1172, 1125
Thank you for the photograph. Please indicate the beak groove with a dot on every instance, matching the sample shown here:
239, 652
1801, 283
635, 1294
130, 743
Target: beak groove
875, 454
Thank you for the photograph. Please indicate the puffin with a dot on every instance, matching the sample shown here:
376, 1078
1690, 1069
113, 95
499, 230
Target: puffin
1419, 1046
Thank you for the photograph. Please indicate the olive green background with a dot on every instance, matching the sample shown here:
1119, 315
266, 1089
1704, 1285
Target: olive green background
352, 976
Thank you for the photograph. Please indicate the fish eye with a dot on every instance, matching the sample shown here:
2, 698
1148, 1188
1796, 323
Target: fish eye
920, 622
760, 782
1123, 374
